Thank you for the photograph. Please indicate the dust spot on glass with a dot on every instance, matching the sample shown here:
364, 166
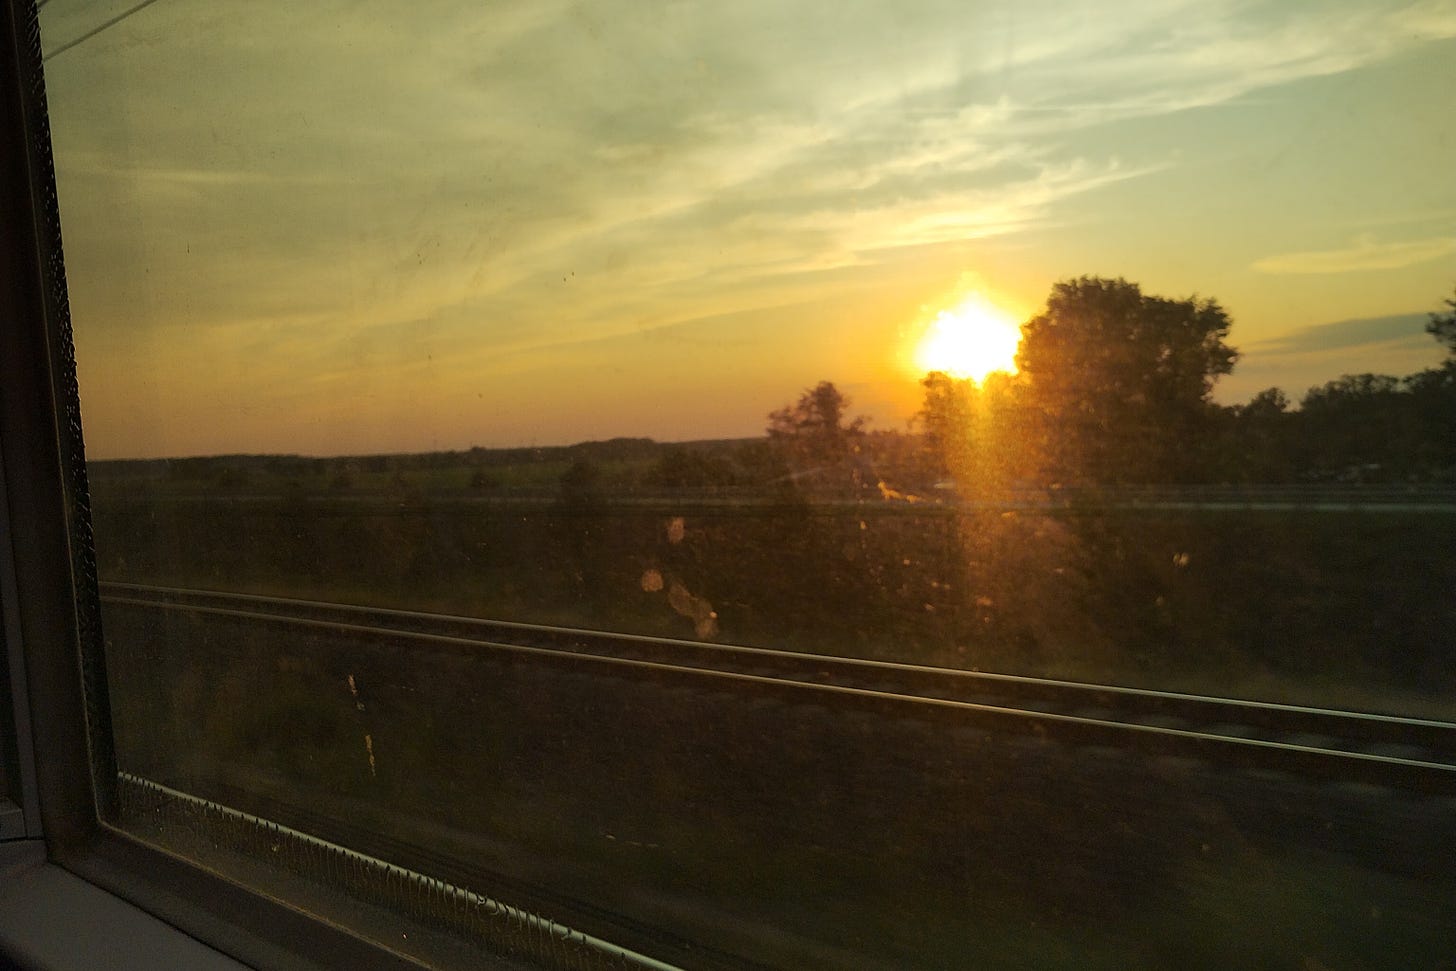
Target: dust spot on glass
354, 691
891, 495
359, 706
700, 611
652, 580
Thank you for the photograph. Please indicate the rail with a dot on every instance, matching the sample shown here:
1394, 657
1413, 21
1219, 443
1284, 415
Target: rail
1349, 745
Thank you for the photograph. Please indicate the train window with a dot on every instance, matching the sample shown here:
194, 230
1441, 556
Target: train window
671, 484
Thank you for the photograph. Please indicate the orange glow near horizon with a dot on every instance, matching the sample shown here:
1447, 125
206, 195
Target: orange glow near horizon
971, 340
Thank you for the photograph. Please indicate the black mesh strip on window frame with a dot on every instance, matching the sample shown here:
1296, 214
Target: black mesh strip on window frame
202, 828
61, 357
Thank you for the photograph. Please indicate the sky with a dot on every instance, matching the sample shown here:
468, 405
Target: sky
358, 227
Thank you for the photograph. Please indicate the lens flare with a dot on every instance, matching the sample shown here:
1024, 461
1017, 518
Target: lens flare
970, 340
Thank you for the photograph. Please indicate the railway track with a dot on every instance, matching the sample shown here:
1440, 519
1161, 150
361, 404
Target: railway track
1021, 784
1385, 749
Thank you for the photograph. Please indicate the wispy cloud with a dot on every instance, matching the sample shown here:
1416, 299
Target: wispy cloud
1145, 60
462, 182
1345, 334
1364, 255
724, 139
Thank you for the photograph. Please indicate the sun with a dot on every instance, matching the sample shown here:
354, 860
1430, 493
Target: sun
970, 340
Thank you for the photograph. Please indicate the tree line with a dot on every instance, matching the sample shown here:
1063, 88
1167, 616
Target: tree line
1114, 387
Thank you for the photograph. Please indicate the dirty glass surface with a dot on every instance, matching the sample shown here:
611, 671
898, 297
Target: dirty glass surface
781, 484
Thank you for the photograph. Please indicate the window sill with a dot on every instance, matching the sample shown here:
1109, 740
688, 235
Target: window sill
52, 919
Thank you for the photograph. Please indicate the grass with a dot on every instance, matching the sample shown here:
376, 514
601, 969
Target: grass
1328, 609
794, 835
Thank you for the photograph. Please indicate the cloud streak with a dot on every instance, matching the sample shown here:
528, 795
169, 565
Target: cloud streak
1364, 256
1347, 334
567, 125
485, 180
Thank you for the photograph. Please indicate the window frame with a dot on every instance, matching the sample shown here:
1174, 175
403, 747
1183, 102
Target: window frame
49, 604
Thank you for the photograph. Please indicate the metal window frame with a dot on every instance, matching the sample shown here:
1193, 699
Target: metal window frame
58, 739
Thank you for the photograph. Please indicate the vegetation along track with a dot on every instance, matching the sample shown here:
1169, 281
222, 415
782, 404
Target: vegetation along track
1367, 747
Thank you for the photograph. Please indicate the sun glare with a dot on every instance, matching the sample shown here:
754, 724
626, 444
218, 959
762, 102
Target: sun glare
970, 340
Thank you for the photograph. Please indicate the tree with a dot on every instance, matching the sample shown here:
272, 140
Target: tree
1117, 384
1358, 427
813, 433
1349, 388
1433, 407
945, 421
1378, 426
1271, 403
1442, 326
1433, 393
1257, 440
972, 432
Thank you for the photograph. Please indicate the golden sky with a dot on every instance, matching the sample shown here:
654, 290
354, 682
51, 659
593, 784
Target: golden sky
348, 227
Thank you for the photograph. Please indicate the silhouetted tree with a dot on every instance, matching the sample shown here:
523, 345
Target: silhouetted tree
1433, 408
1118, 383
815, 438
1442, 326
973, 432
1257, 439
1357, 428
1269, 403
945, 421
1434, 399
1349, 388
1377, 427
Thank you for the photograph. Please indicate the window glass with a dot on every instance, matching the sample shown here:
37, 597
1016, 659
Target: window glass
794, 484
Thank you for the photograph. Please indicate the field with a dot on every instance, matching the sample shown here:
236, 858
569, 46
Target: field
1342, 608
828, 831
779, 828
